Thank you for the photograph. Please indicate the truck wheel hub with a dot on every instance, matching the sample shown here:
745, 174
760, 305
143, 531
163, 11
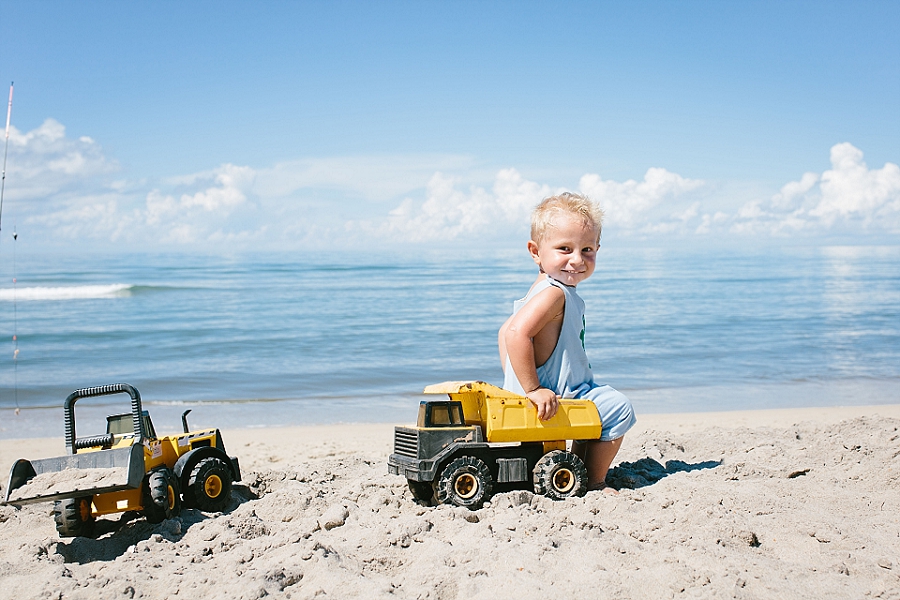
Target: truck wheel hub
84, 509
466, 486
213, 486
563, 480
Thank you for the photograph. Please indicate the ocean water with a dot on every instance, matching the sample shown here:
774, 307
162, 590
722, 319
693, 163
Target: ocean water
262, 340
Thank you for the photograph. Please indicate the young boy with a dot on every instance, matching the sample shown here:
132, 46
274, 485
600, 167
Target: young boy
542, 343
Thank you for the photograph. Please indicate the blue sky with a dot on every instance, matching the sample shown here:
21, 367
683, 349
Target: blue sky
223, 125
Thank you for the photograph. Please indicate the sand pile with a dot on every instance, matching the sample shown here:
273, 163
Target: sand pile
807, 511
70, 480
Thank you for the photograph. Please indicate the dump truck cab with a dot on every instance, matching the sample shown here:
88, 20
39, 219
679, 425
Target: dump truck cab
485, 439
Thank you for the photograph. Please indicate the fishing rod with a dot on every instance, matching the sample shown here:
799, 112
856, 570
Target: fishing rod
5, 153
15, 237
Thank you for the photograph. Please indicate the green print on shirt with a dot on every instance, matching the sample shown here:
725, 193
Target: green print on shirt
581, 335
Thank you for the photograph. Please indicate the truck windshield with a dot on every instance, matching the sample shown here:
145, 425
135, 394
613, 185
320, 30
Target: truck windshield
119, 424
123, 425
445, 414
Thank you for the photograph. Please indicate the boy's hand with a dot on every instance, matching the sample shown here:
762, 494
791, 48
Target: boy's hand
546, 401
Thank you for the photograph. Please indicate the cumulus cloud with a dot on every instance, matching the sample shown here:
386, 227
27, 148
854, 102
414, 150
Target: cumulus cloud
67, 189
44, 161
451, 210
630, 204
848, 198
226, 189
516, 196
851, 189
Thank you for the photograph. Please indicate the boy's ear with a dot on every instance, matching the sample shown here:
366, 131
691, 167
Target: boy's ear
533, 250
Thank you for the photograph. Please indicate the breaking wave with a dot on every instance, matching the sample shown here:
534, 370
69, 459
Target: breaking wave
77, 292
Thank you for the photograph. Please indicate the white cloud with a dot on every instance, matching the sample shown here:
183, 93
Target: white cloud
446, 212
67, 191
229, 187
794, 190
708, 221
376, 178
848, 198
449, 212
43, 161
197, 216
851, 189
629, 204
80, 220
517, 196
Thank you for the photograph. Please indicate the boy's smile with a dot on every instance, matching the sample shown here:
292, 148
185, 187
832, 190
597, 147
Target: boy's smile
568, 250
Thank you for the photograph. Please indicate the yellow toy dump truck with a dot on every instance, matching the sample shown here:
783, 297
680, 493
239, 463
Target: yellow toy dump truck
486, 439
128, 468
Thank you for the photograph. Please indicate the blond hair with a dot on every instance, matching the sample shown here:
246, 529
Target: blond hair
576, 205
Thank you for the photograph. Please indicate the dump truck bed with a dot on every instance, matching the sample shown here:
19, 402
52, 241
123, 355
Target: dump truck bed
508, 417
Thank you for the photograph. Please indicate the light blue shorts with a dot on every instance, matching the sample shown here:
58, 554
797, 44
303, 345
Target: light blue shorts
616, 412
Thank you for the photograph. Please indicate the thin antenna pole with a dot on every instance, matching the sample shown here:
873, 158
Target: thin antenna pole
5, 152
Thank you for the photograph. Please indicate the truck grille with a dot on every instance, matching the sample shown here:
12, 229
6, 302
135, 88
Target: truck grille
406, 442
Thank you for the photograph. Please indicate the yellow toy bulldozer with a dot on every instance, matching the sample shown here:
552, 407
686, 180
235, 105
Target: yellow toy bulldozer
485, 438
128, 468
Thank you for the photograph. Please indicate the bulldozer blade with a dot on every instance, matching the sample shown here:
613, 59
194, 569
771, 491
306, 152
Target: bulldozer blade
75, 475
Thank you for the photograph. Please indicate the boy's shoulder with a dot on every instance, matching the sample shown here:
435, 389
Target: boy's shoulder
545, 282
541, 284
545, 294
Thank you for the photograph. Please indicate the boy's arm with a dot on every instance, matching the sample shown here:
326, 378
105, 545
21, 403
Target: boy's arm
501, 343
519, 336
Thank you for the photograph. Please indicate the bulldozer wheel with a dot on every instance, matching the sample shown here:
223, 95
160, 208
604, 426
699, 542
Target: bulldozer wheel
162, 496
466, 481
422, 491
209, 486
559, 475
73, 517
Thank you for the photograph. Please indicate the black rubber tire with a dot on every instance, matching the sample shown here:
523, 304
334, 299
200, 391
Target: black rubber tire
73, 517
422, 491
560, 475
465, 481
162, 496
209, 486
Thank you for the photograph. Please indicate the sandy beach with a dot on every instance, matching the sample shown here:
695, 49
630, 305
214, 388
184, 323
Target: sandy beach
760, 504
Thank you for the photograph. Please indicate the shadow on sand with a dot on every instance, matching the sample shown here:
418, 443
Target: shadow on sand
113, 538
647, 471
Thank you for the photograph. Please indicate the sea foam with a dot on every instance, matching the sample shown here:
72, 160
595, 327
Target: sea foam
66, 293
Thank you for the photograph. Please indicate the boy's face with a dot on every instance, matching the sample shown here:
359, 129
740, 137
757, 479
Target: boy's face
568, 250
